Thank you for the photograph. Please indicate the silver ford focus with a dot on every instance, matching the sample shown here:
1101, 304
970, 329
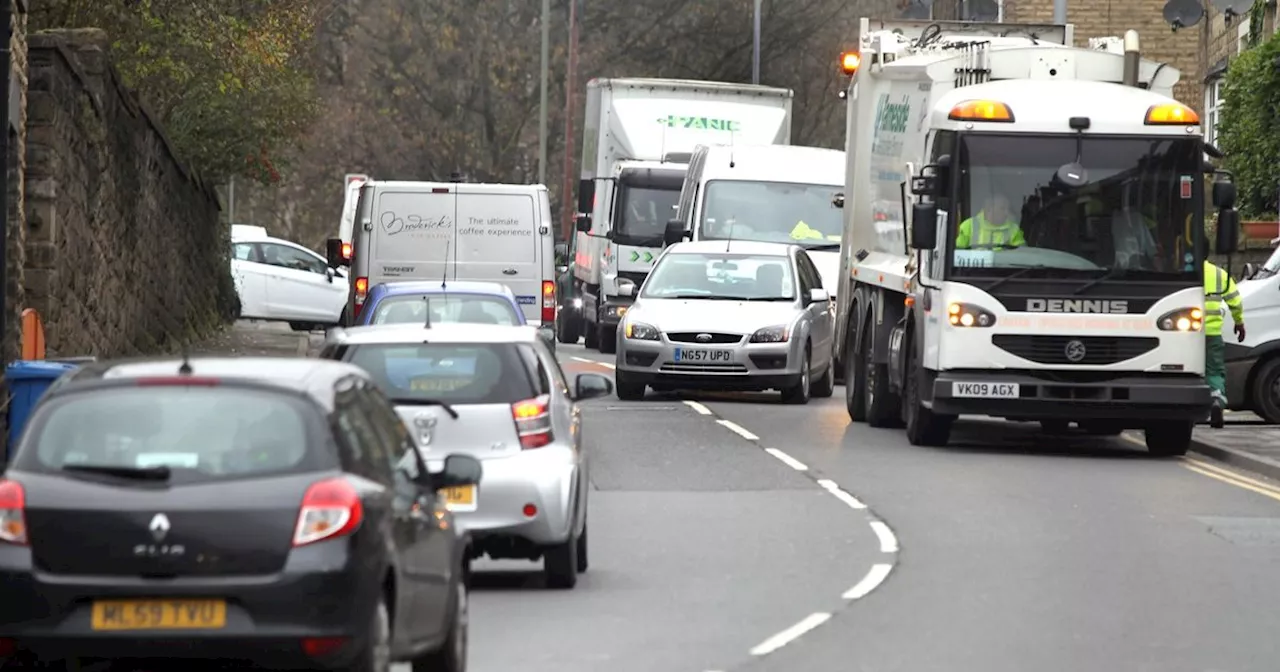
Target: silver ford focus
717, 315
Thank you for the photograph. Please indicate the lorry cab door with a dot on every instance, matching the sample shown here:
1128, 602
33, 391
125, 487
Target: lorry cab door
498, 240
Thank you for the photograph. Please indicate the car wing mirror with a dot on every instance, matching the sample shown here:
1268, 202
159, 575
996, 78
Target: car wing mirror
591, 386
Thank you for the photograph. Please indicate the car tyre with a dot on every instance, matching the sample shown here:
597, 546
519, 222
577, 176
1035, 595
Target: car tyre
568, 327
801, 392
1169, 439
582, 550
825, 386
375, 656
924, 427
300, 326
626, 388
607, 340
452, 654
560, 564
1266, 391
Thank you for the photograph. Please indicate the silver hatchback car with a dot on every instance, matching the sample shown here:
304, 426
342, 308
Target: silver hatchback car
496, 393
723, 315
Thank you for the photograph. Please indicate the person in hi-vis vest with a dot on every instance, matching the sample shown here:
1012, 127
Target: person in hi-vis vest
992, 226
1219, 289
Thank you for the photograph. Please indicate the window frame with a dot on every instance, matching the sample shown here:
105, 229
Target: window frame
1212, 109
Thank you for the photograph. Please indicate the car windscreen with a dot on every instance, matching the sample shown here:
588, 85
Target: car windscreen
456, 308
772, 212
200, 433
721, 276
472, 373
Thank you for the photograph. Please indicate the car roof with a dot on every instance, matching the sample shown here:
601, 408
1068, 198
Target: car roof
451, 332
399, 287
313, 377
733, 247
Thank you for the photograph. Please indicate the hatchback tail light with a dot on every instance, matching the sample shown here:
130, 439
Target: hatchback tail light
13, 521
533, 421
331, 508
362, 290
548, 302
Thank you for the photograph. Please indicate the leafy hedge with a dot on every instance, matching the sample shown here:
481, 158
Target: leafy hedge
1249, 126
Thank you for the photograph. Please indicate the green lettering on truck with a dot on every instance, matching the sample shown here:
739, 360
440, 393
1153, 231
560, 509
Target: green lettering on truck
699, 123
892, 117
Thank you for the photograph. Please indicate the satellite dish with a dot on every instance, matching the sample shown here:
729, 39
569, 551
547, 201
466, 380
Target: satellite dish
1232, 7
1183, 13
983, 10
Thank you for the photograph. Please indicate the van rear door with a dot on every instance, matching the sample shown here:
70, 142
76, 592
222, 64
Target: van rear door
413, 229
498, 241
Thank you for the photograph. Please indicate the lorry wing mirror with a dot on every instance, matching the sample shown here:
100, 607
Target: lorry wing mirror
924, 185
582, 222
1228, 231
837, 200
333, 252
924, 226
674, 232
1224, 194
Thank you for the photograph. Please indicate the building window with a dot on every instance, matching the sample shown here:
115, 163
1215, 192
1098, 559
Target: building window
1212, 105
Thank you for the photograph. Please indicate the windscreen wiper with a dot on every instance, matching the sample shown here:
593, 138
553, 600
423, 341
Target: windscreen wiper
1016, 274
1109, 275
426, 402
156, 473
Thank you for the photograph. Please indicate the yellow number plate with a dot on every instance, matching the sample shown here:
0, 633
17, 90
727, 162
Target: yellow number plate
159, 614
463, 496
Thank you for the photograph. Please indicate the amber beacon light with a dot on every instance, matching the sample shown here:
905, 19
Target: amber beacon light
849, 62
981, 110
1172, 114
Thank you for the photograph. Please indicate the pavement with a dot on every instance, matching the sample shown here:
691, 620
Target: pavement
735, 533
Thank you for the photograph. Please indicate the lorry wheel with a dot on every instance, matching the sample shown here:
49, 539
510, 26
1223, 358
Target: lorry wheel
1266, 391
924, 428
883, 406
1169, 439
567, 328
854, 391
590, 335
607, 340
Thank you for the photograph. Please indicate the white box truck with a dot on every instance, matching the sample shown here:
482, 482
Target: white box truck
1051, 267
637, 140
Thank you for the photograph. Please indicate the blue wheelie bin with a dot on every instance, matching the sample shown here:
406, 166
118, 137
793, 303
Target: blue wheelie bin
27, 380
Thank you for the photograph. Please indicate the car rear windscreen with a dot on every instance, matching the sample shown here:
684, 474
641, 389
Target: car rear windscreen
455, 308
201, 433
480, 373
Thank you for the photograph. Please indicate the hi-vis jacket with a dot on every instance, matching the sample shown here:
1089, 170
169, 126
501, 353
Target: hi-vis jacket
988, 233
1219, 288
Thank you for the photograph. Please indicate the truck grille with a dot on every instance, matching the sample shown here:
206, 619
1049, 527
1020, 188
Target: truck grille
1097, 350
692, 337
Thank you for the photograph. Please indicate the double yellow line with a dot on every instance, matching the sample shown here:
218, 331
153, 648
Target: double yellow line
1232, 478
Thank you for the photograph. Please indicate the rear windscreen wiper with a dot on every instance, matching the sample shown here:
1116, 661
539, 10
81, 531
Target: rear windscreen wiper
427, 402
156, 473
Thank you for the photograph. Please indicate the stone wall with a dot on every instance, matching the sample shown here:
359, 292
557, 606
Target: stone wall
124, 252
16, 163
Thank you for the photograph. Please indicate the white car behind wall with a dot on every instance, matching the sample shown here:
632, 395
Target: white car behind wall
278, 280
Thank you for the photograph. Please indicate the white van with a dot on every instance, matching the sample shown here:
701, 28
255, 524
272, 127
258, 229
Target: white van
454, 231
1253, 367
769, 193
346, 225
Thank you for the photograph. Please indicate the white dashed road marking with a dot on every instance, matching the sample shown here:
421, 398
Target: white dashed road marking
790, 634
787, 459
870, 582
739, 430
831, 487
888, 542
702, 410
584, 359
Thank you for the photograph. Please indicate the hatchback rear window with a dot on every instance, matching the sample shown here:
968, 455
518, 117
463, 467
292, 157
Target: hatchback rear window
480, 373
200, 433
463, 308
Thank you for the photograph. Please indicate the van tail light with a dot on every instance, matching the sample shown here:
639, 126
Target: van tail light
346, 251
13, 521
362, 290
548, 302
533, 421
331, 508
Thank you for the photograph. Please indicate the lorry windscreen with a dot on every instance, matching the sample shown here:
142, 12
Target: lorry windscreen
1135, 210
771, 212
642, 213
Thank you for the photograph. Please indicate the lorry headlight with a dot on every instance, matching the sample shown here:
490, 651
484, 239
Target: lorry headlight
775, 334
639, 331
969, 315
1183, 319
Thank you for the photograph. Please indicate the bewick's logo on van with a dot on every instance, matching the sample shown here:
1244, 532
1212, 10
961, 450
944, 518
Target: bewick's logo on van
700, 123
892, 117
393, 223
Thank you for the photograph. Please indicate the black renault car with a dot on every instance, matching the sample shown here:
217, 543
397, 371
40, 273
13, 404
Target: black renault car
260, 511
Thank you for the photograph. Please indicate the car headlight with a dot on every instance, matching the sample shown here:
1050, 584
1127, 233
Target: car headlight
1183, 319
969, 315
775, 334
639, 331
